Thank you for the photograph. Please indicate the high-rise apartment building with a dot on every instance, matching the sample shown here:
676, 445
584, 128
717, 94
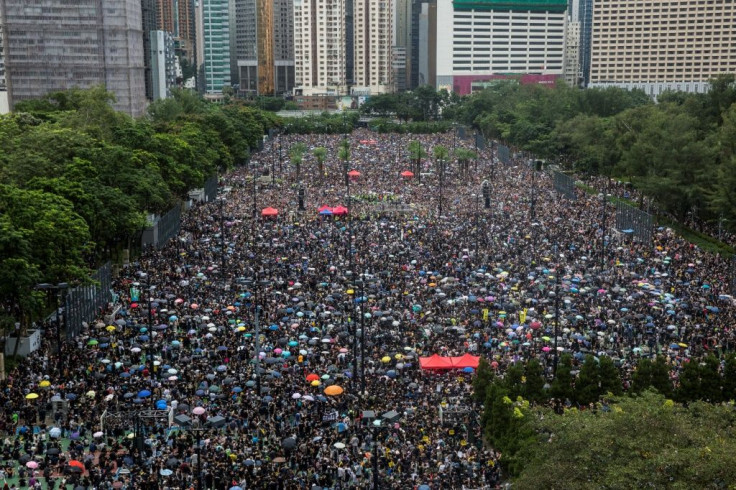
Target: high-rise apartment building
52, 45
263, 54
402, 44
572, 54
585, 18
477, 39
185, 33
167, 15
662, 45
426, 55
163, 64
372, 24
215, 46
319, 47
149, 13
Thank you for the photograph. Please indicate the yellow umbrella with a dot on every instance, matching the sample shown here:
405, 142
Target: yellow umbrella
398, 357
333, 390
91, 394
682, 345
110, 328
385, 359
315, 382
241, 329
31, 396
45, 383
350, 291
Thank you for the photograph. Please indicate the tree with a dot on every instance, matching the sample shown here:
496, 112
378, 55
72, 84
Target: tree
610, 378
642, 442
464, 156
660, 377
562, 385
484, 376
534, 385
416, 153
587, 385
729, 378
642, 377
320, 153
689, 389
710, 380
296, 155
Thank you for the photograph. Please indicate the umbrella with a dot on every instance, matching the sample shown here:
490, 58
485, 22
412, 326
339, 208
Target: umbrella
334, 390
31, 396
339, 445
289, 443
166, 472
55, 432
144, 394
32, 465
76, 464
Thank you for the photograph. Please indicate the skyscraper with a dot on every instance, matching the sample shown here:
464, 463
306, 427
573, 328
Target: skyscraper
477, 39
263, 54
319, 47
216, 46
56, 45
163, 64
585, 18
373, 33
572, 53
149, 13
665, 45
402, 44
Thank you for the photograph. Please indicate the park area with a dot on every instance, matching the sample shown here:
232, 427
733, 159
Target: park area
330, 318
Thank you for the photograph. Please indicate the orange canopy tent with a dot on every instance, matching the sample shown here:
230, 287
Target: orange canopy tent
339, 210
269, 212
435, 362
407, 174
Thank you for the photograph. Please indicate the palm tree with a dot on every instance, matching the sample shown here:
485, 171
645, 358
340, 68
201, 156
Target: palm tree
320, 153
416, 153
463, 156
296, 155
440, 157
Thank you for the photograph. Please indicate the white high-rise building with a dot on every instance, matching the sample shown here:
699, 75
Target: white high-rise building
478, 40
373, 31
319, 47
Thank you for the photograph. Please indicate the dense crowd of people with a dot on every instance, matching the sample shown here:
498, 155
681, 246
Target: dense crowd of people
257, 351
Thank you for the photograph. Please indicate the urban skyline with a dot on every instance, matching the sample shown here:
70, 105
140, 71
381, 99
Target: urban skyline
358, 47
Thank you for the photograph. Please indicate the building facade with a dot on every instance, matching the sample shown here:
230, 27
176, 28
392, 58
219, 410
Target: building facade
264, 46
373, 33
585, 18
319, 47
54, 45
163, 63
572, 54
486, 37
402, 44
149, 12
665, 45
215, 46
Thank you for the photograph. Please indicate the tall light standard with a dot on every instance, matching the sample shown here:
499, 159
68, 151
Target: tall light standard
60, 288
222, 236
149, 350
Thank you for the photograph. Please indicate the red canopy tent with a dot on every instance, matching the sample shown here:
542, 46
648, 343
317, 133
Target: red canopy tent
339, 210
435, 362
407, 174
269, 212
464, 361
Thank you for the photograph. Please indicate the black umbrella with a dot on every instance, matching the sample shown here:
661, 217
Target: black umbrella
289, 443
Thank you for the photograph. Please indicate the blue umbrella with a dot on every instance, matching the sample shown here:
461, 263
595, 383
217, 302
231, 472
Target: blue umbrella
173, 318
161, 405
268, 398
423, 487
237, 389
144, 394
674, 346
144, 338
468, 370
125, 375
199, 392
71, 396
128, 395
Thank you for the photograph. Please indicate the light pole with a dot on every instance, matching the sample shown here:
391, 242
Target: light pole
532, 211
60, 314
149, 350
222, 237
477, 206
442, 182
273, 166
255, 212
557, 316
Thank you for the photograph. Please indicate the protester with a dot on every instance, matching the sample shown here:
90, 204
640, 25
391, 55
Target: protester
474, 280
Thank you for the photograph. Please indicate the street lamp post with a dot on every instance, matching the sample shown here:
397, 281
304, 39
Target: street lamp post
557, 316
273, 165
477, 206
255, 213
532, 211
149, 349
442, 183
222, 237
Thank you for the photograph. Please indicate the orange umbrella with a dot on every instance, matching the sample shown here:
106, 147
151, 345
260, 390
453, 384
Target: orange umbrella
333, 390
312, 377
76, 463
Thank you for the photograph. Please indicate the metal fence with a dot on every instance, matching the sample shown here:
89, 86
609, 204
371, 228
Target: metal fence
504, 155
564, 184
84, 303
210, 188
480, 142
634, 222
164, 228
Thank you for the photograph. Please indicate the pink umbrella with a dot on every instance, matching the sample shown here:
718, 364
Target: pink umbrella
535, 325
198, 410
32, 465
277, 351
546, 349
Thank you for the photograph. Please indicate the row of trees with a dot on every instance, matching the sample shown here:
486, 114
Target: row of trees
591, 384
77, 179
526, 419
679, 151
324, 123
